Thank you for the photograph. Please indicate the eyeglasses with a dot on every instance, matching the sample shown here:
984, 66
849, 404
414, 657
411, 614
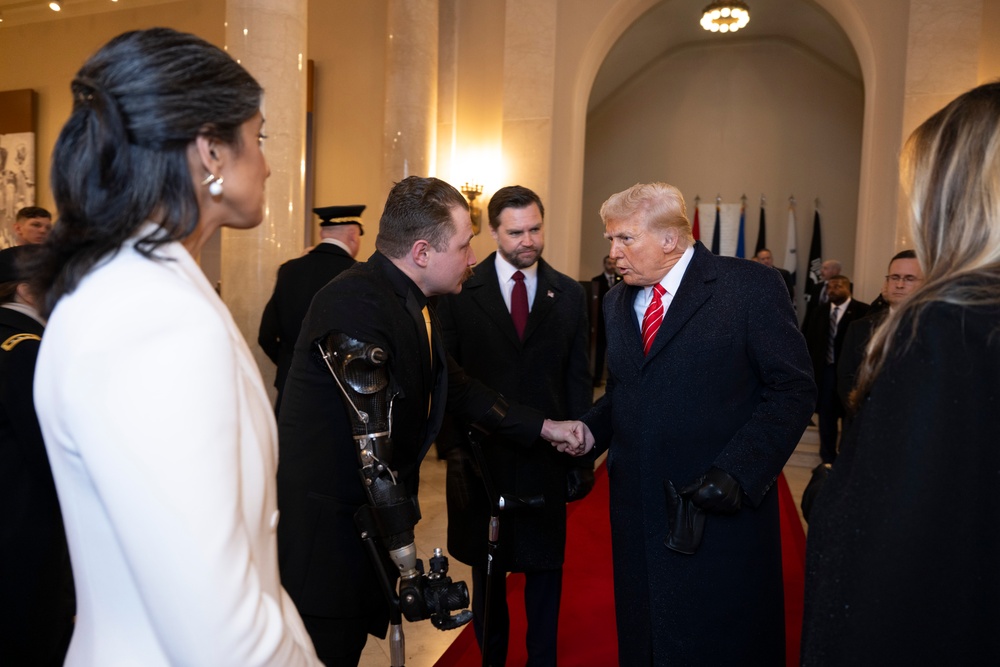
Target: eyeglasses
909, 280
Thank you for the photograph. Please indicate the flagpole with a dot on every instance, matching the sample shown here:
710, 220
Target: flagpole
695, 226
761, 227
717, 229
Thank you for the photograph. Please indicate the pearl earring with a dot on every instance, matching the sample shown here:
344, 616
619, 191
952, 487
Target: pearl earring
215, 188
214, 185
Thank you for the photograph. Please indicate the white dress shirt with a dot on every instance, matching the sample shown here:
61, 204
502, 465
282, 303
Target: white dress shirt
671, 282
505, 276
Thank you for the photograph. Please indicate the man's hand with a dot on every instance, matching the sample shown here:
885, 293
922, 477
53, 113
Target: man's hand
716, 492
570, 437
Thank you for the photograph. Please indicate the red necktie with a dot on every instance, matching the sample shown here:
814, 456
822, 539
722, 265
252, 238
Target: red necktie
519, 304
651, 320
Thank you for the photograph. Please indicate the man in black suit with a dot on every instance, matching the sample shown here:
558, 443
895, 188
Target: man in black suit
825, 334
601, 283
423, 249
36, 583
543, 365
298, 281
817, 294
709, 390
904, 277
765, 257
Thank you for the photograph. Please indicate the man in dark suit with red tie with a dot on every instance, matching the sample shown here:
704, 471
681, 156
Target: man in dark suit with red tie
519, 326
709, 390
298, 281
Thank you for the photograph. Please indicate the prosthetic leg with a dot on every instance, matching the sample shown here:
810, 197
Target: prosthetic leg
361, 373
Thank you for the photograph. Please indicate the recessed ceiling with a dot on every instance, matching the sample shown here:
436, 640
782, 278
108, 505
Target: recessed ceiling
673, 24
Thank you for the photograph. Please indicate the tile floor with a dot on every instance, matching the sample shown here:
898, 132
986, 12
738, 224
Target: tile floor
424, 644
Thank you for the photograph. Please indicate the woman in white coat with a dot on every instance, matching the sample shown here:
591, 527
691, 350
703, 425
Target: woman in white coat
158, 428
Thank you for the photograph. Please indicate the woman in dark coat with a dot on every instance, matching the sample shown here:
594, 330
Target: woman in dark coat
903, 560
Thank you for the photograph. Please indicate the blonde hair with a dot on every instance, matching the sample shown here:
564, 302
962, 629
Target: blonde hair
952, 166
660, 204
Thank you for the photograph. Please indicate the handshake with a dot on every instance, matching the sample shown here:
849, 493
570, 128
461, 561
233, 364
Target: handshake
570, 437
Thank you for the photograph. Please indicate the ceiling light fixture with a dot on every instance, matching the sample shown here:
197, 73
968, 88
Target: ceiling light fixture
725, 16
55, 6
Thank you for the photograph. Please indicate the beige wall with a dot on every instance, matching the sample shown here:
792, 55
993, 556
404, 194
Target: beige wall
45, 56
756, 116
347, 43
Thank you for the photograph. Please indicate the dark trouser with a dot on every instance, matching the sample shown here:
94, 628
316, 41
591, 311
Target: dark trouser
338, 641
542, 590
829, 411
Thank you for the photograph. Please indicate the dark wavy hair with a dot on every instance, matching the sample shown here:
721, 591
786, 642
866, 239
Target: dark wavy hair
121, 158
418, 208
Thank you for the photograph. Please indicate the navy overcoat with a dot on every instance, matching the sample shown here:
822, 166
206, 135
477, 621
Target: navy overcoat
727, 383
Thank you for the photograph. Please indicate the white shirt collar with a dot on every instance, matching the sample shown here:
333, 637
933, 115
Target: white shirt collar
338, 243
26, 310
505, 277
505, 270
672, 281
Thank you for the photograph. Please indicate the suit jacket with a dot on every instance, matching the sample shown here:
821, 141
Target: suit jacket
548, 371
813, 300
902, 552
298, 281
852, 352
163, 449
36, 584
727, 383
789, 282
602, 289
323, 561
818, 332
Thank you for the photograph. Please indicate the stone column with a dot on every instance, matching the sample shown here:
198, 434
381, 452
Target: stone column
268, 37
409, 139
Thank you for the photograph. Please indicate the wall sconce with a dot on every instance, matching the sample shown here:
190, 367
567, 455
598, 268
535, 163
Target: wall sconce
471, 191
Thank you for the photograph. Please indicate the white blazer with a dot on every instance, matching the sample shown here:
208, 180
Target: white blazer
163, 446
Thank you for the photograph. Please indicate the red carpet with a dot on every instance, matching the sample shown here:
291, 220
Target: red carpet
588, 605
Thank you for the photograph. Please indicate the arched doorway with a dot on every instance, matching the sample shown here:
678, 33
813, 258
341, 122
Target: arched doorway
774, 110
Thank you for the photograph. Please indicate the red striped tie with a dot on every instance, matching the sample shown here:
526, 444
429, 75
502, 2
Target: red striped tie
651, 320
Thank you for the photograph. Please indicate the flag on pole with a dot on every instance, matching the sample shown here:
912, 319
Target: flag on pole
696, 228
741, 250
791, 254
761, 233
813, 278
717, 231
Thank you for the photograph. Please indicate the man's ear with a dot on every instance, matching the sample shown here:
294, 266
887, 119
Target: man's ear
420, 253
671, 237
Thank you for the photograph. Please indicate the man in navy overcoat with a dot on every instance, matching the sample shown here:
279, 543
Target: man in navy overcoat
712, 411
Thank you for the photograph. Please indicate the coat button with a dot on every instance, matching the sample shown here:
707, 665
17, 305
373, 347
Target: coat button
274, 520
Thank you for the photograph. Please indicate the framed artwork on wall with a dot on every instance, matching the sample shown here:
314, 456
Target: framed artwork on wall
17, 158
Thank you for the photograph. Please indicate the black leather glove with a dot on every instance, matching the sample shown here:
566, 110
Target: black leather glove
715, 492
687, 522
579, 482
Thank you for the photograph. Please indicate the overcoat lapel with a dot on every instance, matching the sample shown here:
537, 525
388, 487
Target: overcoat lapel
545, 300
484, 287
696, 287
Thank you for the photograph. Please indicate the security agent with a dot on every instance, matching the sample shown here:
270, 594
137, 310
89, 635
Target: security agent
298, 281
